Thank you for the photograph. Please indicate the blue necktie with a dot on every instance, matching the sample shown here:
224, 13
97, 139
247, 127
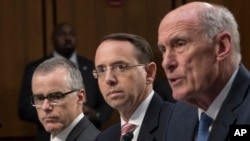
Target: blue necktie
203, 130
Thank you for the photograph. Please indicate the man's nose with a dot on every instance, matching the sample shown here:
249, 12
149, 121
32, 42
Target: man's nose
46, 104
169, 61
110, 77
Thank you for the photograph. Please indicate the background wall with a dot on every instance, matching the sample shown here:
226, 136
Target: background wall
25, 31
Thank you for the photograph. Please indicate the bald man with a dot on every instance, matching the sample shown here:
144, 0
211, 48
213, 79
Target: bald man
200, 46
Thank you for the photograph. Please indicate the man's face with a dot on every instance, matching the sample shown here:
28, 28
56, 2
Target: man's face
65, 41
56, 117
189, 60
122, 90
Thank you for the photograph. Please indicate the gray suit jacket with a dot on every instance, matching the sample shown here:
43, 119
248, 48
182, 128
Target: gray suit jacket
83, 131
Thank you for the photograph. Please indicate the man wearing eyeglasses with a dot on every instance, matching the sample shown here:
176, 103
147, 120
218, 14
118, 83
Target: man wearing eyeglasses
125, 69
64, 41
58, 96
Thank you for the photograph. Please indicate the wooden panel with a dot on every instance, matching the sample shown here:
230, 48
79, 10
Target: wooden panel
20, 41
94, 19
85, 14
239, 9
48, 24
81, 14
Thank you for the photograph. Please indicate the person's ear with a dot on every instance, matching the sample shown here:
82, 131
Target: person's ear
151, 72
81, 97
149, 80
224, 45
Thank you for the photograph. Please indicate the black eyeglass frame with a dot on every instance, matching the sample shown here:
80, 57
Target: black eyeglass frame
50, 97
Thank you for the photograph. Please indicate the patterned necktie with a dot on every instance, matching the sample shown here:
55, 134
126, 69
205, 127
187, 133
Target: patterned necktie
203, 130
126, 128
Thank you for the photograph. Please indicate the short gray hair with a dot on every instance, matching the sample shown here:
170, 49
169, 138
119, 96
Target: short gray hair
217, 19
74, 78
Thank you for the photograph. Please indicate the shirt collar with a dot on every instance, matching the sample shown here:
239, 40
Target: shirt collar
140, 112
62, 136
215, 107
138, 115
73, 57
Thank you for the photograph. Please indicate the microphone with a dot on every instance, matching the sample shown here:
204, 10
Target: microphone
127, 137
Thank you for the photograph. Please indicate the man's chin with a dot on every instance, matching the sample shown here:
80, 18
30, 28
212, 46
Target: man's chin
52, 128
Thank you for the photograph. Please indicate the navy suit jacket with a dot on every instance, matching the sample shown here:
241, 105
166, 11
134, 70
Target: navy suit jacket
83, 131
235, 110
94, 98
153, 125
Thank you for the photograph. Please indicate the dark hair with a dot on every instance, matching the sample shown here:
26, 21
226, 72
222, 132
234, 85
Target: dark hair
57, 29
144, 54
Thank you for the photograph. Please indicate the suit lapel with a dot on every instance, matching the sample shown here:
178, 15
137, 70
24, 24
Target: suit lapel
78, 129
183, 123
221, 125
83, 64
150, 121
114, 134
229, 111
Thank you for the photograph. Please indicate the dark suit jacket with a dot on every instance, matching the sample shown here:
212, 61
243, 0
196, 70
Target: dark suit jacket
94, 97
83, 131
163, 88
235, 110
153, 125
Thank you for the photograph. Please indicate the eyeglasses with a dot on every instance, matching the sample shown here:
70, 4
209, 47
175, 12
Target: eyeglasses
116, 68
53, 98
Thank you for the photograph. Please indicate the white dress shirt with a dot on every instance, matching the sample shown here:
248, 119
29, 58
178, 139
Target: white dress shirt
72, 58
138, 116
215, 107
62, 136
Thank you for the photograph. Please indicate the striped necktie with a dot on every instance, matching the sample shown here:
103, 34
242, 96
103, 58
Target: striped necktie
127, 128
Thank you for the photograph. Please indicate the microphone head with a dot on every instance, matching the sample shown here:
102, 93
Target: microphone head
127, 137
